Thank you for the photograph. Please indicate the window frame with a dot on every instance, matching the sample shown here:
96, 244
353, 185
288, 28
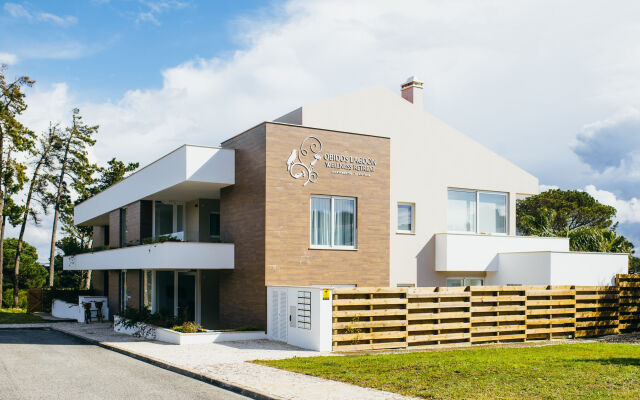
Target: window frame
412, 231
464, 280
332, 246
174, 217
477, 222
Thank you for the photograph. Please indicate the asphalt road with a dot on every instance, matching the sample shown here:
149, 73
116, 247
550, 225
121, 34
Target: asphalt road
46, 364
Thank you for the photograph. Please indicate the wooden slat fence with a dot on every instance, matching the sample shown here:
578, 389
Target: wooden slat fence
423, 318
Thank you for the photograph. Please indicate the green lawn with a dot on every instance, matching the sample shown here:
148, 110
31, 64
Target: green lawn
18, 316
572, 371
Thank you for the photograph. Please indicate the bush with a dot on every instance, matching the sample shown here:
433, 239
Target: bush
188, 327
145, 316
71, 296
7, 298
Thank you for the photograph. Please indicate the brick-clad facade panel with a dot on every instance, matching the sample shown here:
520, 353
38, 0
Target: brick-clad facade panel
361, 172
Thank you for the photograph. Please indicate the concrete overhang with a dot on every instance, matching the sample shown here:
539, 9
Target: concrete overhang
187, 173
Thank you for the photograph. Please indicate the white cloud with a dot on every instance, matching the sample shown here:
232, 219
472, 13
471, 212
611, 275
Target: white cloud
519, 77
544, 188
63, 21
8, 58
628, 210
153, 9
17, 11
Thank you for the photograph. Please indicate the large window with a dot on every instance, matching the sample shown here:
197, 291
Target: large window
406, 218
168, 218
477, 212
333, 222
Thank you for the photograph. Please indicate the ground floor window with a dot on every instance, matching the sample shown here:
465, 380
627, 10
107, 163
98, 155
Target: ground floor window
175, 294
461, 282
406, 218
333, 222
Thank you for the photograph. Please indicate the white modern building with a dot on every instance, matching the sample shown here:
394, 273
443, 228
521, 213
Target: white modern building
365, 189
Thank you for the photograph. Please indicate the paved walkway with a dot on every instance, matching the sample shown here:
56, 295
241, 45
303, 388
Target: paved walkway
226, 362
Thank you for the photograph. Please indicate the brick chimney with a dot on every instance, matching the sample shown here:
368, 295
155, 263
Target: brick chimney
412, 91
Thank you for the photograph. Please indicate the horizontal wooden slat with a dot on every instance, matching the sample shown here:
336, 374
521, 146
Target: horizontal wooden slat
367, 302
550, 330
502, 328
541, 321
478, 309
551, 292
341, 337
477, 339
369, 290
433, 327
369, 324
493, 299
603, 323
370, 346
429, 338
367, 313
554, 311
499, 318
442, 315
457, 304
598, 296
438, 295
550, 302
596, 314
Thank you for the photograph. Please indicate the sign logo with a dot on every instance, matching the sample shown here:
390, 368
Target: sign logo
301, 164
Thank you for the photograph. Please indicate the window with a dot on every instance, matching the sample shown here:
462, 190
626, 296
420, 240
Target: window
214, 225
168, 218
333, 222
459, 282
406, 218
476, 211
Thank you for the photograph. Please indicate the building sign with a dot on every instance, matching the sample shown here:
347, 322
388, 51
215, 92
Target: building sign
325, 294
305, 162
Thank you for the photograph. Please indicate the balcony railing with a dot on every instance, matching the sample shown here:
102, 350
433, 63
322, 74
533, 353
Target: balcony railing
161, 255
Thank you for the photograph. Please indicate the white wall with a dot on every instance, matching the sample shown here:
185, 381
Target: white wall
319, 336
193, 165
465, 252
427, 157
587, 269
167, 255
558, 268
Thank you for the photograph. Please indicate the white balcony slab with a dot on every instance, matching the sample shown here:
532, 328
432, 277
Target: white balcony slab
559, 268
167, 255
470, 252
187, 173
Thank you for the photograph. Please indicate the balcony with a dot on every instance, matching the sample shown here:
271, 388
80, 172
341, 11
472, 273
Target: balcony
166, 255
458, 252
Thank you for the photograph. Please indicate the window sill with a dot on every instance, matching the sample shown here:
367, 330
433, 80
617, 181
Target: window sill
405, 233
334, 248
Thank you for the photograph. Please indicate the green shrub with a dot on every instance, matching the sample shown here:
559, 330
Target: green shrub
145, 316
7, 298
188, 327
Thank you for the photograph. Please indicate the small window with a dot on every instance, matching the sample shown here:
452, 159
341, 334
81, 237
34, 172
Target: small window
406, 218
406, 285
214, 225
459, 282
333, 222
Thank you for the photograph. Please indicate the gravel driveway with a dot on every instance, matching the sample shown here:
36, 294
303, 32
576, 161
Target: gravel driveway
38, 364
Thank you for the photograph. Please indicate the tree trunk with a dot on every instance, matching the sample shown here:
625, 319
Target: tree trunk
87, 283
4, 221
56, 213
23, 227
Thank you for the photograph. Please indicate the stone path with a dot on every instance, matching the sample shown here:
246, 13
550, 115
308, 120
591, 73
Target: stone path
227, 362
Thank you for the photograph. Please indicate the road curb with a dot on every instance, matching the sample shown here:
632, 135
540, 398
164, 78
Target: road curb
164, 365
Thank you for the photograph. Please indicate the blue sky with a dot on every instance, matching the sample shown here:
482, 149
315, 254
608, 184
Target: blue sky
553, 87
103, 48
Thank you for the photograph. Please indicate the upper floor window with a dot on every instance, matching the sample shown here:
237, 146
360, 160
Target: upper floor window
476, 211
168, 218
333, 222
214, 225
406, 218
